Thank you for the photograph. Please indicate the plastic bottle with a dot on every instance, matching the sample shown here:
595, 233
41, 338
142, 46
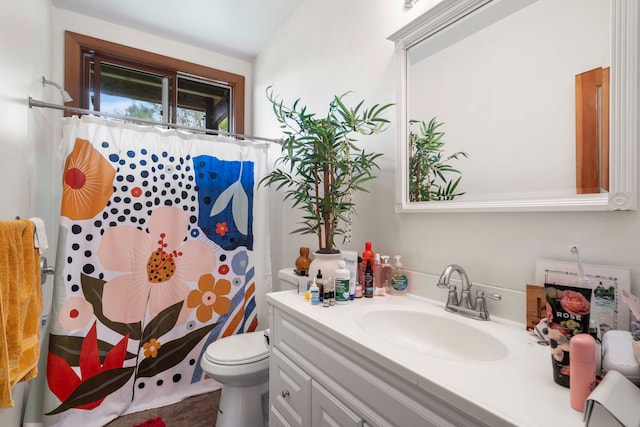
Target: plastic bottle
367, 255
320, 284
342, 283
582, 362
399, 280
328, 291
314, 291
594, 331
326, 300
368, 280
386, 273
359, 291
379, 289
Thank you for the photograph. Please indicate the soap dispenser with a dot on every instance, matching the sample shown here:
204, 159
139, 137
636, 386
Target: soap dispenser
399, 280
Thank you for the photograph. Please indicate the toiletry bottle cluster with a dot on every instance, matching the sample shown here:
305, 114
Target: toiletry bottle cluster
378, 277
375, 276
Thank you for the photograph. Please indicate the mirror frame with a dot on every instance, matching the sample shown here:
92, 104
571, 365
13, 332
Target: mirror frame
624, 113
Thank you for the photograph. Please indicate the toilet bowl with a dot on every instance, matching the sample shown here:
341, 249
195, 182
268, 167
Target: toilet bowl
241, 364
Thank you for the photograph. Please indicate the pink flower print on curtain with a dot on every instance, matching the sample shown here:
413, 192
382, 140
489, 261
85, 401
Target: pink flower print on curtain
155, 266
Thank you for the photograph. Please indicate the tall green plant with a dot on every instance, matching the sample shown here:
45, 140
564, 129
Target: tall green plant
428, 166
321, 166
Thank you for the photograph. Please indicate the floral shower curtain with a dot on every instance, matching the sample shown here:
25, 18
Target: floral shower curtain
163, 248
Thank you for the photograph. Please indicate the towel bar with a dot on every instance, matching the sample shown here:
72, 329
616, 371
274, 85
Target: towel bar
44, 270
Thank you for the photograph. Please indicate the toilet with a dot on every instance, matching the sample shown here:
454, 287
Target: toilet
240, 363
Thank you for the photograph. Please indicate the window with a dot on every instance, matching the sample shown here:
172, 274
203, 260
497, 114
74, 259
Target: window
108, 77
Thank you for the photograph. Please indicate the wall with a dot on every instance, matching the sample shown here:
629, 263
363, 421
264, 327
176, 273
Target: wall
333, 46
26, 53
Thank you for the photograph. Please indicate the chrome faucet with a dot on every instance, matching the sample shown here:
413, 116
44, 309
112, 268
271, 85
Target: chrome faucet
464, 305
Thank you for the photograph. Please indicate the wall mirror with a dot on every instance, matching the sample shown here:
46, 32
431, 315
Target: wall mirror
502, 78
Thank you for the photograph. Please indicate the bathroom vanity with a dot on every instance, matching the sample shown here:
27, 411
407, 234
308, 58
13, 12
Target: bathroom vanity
404, 361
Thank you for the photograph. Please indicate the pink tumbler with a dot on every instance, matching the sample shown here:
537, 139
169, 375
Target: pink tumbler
582, 369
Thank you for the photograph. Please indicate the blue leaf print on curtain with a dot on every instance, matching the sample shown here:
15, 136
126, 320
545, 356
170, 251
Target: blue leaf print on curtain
225, 197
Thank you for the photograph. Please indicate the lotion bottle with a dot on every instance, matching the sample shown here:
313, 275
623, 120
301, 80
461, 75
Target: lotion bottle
377, 277
342, 280
582, 362
386, 273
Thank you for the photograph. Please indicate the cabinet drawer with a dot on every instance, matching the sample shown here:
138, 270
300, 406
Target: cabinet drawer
328, 411
289, 390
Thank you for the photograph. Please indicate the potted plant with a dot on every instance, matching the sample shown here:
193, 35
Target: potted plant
428, 165
321, 166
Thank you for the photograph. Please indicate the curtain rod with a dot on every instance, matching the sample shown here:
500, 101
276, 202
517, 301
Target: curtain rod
42, 104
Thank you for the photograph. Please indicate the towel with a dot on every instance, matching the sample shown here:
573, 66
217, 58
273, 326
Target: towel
20, 306
40, 239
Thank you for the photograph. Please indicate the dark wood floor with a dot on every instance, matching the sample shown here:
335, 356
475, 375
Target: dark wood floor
196, 411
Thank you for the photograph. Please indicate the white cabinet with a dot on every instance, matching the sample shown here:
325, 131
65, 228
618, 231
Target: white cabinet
316, 381
328, 411
289, 392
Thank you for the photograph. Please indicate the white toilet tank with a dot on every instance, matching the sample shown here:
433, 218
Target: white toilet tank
287, 279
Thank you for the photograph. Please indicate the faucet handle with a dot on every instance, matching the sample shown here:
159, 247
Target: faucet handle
481, 303
483, 294
452, 297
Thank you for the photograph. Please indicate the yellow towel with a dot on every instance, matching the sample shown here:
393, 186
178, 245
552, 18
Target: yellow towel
20, 306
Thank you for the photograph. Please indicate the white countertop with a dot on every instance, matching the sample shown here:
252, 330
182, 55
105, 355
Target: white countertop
516, 390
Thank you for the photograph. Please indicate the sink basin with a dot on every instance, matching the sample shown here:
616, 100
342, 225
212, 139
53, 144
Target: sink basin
437, 335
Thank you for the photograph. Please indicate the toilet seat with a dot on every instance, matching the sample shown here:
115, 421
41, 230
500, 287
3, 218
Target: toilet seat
241, 349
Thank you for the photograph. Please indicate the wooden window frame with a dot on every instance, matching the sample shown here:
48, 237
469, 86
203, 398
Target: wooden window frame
76, 43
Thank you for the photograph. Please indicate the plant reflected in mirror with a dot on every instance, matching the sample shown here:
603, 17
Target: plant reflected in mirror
429, 167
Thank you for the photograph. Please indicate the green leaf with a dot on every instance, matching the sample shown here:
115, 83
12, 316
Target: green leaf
95, 388
323, 147
163, 322
92, 289
68, 348
428, 168
172, 353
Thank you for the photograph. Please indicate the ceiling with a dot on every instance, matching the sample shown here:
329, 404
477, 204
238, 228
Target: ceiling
238, 28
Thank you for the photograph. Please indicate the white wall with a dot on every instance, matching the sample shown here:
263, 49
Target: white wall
26, 53
333, 46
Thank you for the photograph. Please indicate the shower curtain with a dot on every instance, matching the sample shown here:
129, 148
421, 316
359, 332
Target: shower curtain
163, 248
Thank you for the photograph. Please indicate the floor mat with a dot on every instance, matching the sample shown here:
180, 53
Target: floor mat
153, 422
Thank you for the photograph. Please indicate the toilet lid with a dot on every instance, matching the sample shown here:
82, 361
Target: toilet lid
238, 349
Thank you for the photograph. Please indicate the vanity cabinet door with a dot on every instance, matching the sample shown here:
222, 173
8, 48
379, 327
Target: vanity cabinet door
289, 392
328, 411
